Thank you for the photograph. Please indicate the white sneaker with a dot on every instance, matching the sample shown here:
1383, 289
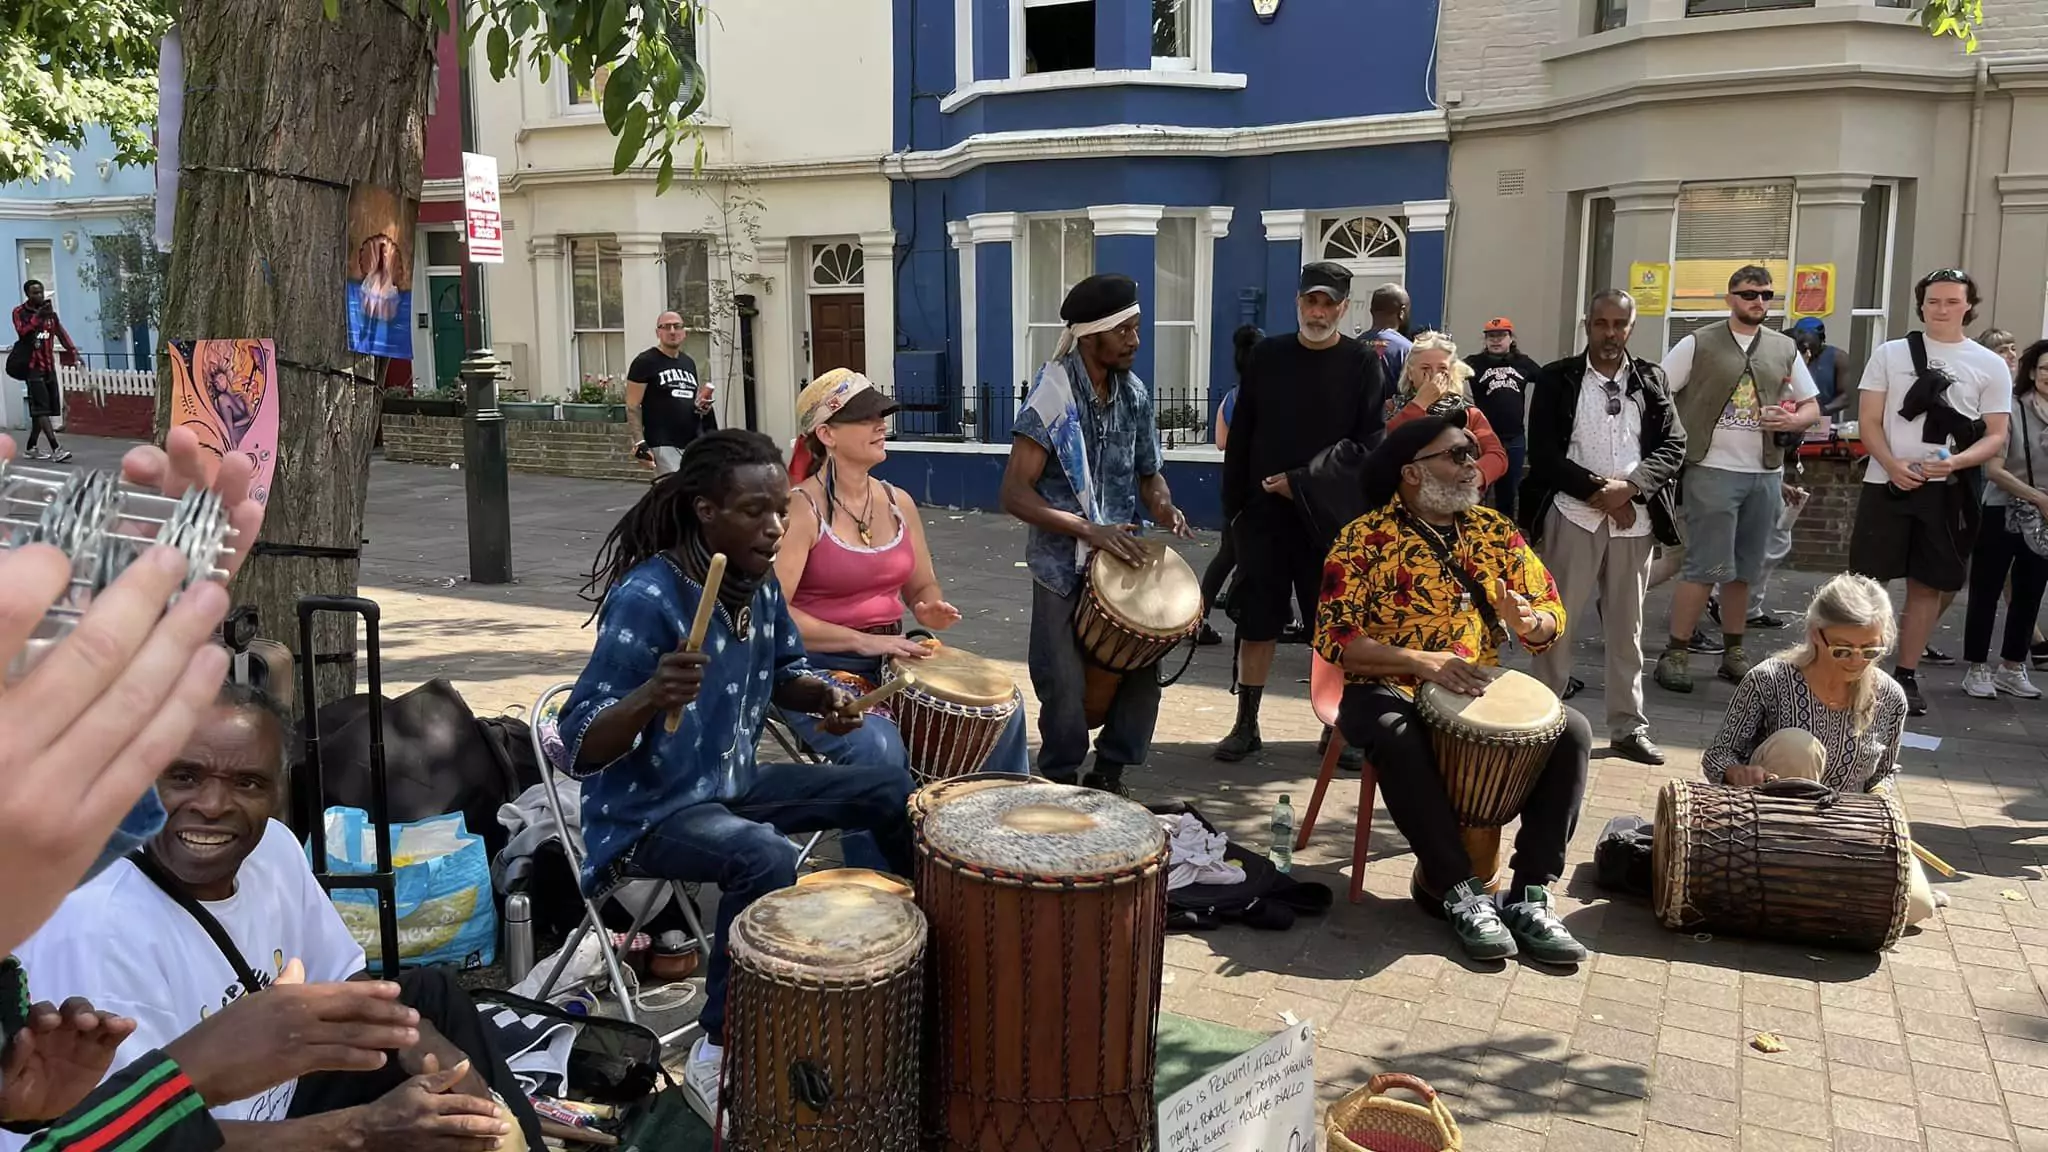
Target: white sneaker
2013, 681
700, 1080
1979, 683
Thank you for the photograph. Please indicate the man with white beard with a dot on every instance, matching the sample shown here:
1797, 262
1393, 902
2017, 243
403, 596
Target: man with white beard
1428, 587
1302, 393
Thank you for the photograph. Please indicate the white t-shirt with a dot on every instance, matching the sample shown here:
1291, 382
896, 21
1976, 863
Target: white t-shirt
130, 949
1738, 443
1983, 387
1608, 446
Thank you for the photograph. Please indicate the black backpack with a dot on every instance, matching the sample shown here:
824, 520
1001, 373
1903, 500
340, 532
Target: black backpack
1266, 898
18, 358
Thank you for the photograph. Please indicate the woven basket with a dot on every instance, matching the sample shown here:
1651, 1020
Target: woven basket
1369, 1120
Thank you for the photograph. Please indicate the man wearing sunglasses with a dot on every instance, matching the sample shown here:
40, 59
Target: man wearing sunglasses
1605, 446
1933, 409
1426, 588
666, 406
1739, 387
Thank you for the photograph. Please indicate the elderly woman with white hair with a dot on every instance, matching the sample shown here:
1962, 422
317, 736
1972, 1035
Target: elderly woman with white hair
1435, 382
1824, 710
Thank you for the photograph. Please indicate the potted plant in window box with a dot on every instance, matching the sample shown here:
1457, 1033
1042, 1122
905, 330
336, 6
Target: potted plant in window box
528, 410
595, 402
434, 402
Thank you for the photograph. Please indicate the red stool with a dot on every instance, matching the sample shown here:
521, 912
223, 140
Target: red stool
1325, 692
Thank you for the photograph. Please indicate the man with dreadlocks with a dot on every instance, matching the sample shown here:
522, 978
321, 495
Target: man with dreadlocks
692, 804
1084, 458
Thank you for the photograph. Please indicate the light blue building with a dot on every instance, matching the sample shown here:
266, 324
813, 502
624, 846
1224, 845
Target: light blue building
1207, 148
72, 234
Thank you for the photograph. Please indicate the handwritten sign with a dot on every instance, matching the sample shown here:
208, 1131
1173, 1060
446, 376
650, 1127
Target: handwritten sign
482, 215
1262, 1101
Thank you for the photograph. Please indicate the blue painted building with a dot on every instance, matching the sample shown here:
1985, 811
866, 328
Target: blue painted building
71, 234
1194, 145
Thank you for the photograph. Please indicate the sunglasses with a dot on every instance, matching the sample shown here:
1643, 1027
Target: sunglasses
1613, 390
1850, 652
1948, 276
1753, 294
665, 327
1461, 454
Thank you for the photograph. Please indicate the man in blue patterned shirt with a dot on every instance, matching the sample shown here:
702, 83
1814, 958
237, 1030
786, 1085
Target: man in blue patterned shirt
1084, 458
687, 801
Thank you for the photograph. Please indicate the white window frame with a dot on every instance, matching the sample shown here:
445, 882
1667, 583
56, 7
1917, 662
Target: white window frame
1200, 40
565, 82
1017, 8
1883, 311
1366, 275
49, 249
1198, 379
599, 241
963, 44
1779, 308
1020, 281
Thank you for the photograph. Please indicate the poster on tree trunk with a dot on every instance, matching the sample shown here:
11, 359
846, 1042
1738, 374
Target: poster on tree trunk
380, 228
225, 391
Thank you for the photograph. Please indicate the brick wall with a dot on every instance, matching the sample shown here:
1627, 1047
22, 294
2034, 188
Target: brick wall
2014, 26
1820, 538
1487, 49
555, 447
124, 417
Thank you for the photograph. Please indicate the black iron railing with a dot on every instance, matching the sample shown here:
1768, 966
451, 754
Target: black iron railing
987, 413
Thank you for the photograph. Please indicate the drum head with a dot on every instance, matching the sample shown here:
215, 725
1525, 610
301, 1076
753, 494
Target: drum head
867, 877
959, 676
828, 927
1044, 830
1162, 596
1514, 703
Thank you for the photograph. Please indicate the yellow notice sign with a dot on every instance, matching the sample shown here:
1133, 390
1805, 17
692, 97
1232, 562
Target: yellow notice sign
1813, 290
1650, 284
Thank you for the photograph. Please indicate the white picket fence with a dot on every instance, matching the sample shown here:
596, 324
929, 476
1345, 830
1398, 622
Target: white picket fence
105, 382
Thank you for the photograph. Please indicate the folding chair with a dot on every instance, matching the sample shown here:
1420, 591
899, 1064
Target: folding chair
544, 725
1325, 693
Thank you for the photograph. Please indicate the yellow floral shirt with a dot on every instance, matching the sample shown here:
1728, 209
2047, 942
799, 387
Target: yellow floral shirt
1383, 581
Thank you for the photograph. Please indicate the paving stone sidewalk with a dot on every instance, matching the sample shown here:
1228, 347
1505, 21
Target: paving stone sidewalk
1941, 1043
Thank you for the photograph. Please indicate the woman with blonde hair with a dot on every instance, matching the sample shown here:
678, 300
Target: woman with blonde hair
1434, 383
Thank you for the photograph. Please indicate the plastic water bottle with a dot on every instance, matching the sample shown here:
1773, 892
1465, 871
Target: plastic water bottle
1282, 851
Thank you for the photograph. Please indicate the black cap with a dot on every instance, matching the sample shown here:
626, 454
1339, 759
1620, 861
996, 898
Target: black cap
1328, 277
1102, 295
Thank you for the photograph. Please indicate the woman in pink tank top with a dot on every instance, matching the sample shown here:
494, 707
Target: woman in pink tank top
853, 556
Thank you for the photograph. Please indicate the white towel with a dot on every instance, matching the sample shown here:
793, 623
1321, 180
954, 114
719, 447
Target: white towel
1196, 854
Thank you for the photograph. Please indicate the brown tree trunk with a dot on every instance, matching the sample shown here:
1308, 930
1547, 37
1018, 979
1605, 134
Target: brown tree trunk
284, 111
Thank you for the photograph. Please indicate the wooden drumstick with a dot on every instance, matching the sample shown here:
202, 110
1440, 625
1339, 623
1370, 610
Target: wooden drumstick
883, 693
694, 642
1933, 861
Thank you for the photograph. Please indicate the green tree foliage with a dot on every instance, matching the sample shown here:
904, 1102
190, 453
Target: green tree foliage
1957, 18
66, 65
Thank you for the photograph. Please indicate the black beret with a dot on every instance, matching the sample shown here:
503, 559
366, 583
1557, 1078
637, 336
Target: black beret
1102, 295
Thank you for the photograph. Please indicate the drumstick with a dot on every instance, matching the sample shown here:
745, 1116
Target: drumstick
883, 693
694, 642
1933, 861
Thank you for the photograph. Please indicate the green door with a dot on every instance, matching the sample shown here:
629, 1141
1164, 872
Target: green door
447, 320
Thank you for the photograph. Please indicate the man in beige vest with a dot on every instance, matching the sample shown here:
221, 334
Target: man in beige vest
1738, 385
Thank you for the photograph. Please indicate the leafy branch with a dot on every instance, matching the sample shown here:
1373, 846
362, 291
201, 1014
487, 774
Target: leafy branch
1957, 18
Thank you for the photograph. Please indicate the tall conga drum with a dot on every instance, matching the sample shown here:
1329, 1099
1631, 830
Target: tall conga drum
1490, 750
823, 1034
1130, 616
1787, 860
1047, 906
955, 712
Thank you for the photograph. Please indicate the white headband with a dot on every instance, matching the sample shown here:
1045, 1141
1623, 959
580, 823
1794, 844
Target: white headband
1073, 332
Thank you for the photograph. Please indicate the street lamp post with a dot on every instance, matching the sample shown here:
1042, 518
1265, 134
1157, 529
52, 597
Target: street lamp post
486, 460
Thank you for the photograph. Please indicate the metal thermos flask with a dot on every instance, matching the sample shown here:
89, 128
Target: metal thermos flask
518, 937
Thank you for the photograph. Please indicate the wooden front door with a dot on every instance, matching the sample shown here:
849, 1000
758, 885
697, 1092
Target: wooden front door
839, 333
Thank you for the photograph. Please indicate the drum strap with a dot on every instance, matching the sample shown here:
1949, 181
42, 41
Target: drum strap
1474, 590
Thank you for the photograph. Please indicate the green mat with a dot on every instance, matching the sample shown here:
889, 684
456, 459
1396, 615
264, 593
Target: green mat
1187, 1048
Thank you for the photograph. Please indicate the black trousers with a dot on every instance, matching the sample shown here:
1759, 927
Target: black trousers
1999, 551
440, 1001
1385, 724
1220, 567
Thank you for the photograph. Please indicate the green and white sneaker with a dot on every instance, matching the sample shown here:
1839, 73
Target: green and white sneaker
1476, 920
1542, 936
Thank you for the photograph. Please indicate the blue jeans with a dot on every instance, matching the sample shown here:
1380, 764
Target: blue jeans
879, 741
741, 844
1059, 676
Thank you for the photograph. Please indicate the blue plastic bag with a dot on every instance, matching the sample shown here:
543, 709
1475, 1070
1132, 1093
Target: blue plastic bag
445, 909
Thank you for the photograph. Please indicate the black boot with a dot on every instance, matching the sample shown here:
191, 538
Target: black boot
1107, 777
1244, 735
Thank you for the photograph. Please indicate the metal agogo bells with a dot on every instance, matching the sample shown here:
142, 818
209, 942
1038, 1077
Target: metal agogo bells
103, 524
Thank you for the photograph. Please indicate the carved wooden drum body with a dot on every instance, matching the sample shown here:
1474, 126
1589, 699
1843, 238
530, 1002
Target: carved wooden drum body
1490, 750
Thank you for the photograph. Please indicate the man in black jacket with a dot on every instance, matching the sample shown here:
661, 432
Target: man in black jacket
1604, 446
1302, 393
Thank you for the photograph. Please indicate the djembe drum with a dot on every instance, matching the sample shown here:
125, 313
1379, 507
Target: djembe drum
824, 1030
1490, 749
1129, 617
1787, 860
954, 713
1047, 906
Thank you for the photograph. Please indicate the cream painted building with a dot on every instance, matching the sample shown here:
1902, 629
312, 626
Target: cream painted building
792, 210
1590, 135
